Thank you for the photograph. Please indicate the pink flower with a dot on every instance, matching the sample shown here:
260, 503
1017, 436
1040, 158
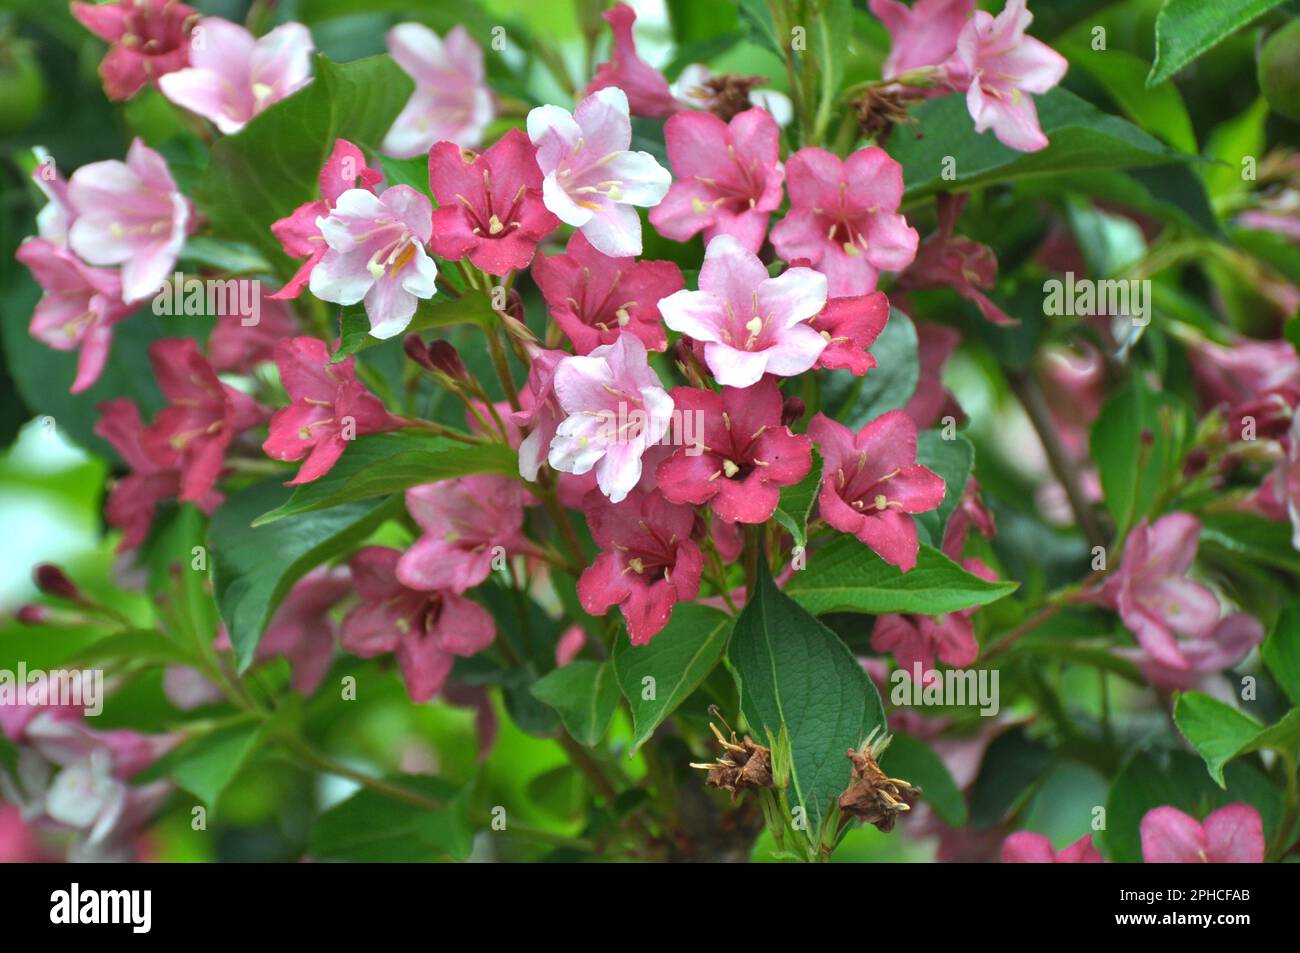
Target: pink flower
202, 417
647, 565
872, 484
962, 264
591, 180
376, 255
19, 842
729, 177
451, 101
464, 521
236, 348
541, 411
1230, 642
1151, 593
1230, 835
844, 218
150, 38
57, 214
595, 298
133, 499
1245, 373
130, 214
330, 408
1023, 847
743, 456
850, 326
1286, 480
996, 65
299, 235
233, 75
647, 91
924, 34
569, 644
78, 307
932, 401
970, 511
426, 630
1075, 385
616, 407
301, 629
915, 641
750, 324
489, 205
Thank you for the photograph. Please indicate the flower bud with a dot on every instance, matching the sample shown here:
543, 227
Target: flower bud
445, 359
792, 410
414, 347
53, 581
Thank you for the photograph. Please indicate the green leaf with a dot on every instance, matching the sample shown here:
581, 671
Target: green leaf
794, 672
584, 694
253, 569
756, 18
1246, 536
1233, 140
380, 464
1082, 138
231, 258
374, 827
846, 576
797, 501
207, 767
436, 312
912, 760
678, 659
1138, 442
1123, 76
135, 645
888, 386
271, 166
953, 460
1220, 732
1281, 652
1187, 28
413, 172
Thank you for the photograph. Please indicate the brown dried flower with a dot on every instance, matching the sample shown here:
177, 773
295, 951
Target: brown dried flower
873, 796
742, 765
880, 109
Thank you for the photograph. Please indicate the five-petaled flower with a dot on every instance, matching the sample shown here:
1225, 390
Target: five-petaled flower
451, 100
490, 207
648, 562
844, 217
744, 455
591, 179
329, 408
872, 484
150, 38
750, 324
728, 177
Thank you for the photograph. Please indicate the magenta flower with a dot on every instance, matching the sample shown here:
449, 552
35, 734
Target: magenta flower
952, 261
1152, 594
490, 205
330, 408
1024, 847
376, 255
915, 641
426, 630
997, 65
932, 401
78, 307
595, 298
130, 214
1249, 378
924, 34
133, 498
149, 39
750, 324
850, 326
540, 410
872, 484
1230, 835
743, 456
299, 235
1230, 642
464, 521
202, 417
233, 75
648, 93
1286, 480
647, 565
234, 348
844, 218
616, 407
591, 180
729, 177
451, 102
301, 629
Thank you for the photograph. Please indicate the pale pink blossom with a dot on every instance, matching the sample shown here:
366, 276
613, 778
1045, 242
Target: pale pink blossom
233, 75
591, 179
377, 255
1230, 835
130, 214
924, 34
1024, 847
465, 522
749, 324
451, 102
57, 214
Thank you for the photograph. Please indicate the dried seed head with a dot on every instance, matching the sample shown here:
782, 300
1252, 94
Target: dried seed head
742, 765
728, 93
872, 796
880, 109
